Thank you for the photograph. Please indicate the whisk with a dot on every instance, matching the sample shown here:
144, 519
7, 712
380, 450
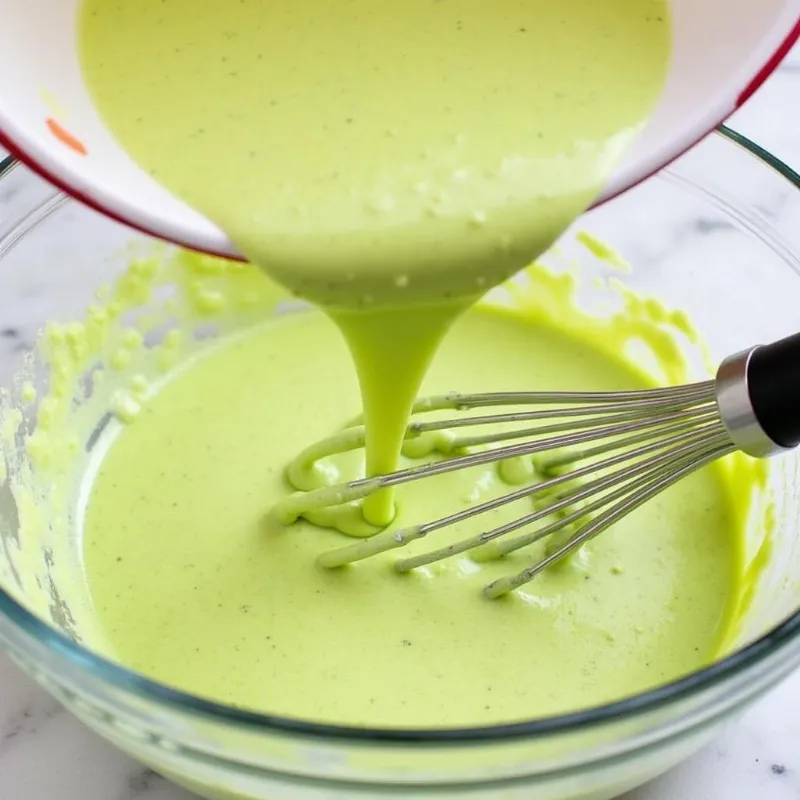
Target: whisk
601, 454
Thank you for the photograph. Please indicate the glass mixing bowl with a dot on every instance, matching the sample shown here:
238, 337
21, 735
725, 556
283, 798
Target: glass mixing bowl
715, 235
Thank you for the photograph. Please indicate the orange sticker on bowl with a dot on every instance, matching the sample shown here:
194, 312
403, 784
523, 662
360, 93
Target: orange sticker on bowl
65, 137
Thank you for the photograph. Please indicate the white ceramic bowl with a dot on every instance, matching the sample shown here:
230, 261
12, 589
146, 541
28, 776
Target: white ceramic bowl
723, 50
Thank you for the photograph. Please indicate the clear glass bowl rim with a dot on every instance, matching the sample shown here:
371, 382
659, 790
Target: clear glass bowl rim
770, 644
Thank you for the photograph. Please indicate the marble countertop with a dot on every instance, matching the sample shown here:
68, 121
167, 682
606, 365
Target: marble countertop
46, 754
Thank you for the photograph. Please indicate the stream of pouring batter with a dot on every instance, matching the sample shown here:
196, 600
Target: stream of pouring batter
387, 161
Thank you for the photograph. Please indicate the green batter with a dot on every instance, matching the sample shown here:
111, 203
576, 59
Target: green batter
389, 161
195, 586
367, 152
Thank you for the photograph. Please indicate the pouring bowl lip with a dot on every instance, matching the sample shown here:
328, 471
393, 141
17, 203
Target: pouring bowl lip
14, 615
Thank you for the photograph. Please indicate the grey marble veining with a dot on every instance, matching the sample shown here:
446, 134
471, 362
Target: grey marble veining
46, 754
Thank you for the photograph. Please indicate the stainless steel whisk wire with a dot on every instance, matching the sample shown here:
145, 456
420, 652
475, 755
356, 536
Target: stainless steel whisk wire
646, 440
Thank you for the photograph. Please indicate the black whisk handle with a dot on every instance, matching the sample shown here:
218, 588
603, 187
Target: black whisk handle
773, 381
